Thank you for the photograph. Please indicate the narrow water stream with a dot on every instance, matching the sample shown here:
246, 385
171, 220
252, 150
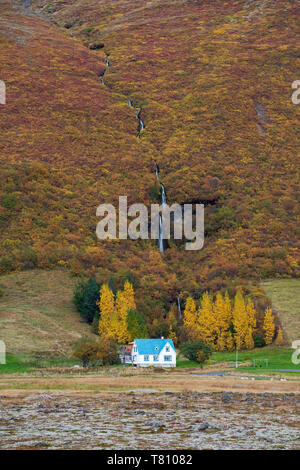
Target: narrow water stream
107, 65
141, 127
161, 243
179, 307
138, 113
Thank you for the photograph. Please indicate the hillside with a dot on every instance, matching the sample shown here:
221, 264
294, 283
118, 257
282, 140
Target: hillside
213, 81
37, 316
285, 296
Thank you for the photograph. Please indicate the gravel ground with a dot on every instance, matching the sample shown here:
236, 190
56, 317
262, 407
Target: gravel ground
142, 420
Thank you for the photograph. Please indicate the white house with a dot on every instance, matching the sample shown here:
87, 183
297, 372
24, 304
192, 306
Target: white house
153, 352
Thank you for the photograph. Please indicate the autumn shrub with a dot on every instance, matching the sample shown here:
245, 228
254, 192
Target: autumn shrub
86, 351
102, 351
7, 263
28, 257
201, 357
9, 201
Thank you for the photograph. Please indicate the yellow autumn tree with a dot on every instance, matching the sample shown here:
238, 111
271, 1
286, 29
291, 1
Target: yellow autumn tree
107, 312
129, 296
251, 314
279, 338
172, 335
190, 317
122, 312
220, 322
228, 315
220, 344
240, 320
269, 326
227, 310
124, 302
207, 325
229, 342
223, 318
249, 342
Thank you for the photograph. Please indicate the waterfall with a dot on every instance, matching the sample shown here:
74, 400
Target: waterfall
107, 61
163, 202
101, 76
130, 103
179, 307
141, 125
163, 195
160, 239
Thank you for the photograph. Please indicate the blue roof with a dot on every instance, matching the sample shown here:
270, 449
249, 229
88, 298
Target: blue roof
152, 346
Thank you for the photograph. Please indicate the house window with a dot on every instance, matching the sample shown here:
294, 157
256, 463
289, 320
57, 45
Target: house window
167, 358
167, 348
156, 348
146, 358
155, 358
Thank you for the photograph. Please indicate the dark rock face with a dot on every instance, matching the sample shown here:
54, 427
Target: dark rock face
96, 45
68, 24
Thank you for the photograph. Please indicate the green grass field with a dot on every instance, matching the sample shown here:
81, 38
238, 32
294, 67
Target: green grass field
18, 364
279, 358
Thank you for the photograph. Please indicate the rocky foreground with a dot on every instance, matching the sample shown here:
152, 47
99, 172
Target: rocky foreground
149, 420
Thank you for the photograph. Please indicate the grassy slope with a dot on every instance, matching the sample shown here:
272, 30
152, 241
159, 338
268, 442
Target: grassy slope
37, 317
285, 295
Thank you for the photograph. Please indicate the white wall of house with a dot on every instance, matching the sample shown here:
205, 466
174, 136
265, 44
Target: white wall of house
166, 357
